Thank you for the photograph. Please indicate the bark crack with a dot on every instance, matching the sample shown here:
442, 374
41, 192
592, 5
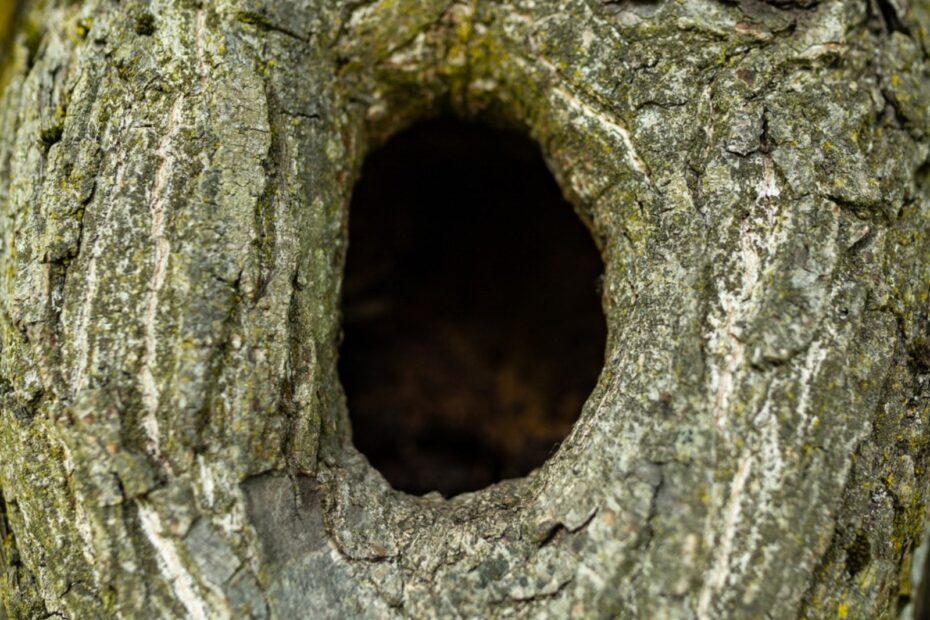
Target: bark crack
160, 196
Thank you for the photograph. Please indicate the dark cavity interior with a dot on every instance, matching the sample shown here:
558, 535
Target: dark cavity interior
473, 327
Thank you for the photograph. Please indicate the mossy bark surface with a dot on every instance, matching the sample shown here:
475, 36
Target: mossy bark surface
174, 182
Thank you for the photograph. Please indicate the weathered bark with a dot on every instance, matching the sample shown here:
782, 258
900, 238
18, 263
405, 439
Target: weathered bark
174, 181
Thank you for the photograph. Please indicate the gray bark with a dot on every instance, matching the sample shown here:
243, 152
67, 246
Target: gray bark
174, 181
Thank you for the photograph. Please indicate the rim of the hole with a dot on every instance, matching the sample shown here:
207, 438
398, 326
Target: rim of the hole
354, 459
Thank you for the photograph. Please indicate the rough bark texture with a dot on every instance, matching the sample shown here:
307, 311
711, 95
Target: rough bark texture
174, 181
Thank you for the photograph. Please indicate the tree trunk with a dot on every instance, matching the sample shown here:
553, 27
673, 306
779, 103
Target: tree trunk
174, 185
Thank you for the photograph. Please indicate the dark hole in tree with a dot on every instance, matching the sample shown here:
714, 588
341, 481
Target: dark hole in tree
473, 327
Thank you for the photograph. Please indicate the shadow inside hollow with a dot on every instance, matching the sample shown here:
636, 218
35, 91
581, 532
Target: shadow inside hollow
473, 331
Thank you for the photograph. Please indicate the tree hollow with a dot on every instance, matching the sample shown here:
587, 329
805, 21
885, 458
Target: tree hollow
473, 328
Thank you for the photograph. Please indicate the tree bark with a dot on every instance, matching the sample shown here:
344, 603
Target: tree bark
174, 182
